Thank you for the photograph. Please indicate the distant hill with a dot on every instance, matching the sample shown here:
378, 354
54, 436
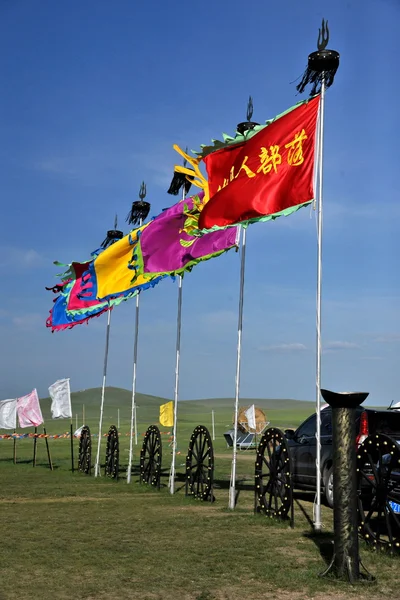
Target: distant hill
148, 407
121, 398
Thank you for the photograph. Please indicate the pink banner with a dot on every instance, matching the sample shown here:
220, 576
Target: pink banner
28, 409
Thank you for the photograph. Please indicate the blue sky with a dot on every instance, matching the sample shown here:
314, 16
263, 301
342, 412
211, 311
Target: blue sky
93, 96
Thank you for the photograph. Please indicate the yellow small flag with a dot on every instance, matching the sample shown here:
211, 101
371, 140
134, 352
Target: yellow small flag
167, 414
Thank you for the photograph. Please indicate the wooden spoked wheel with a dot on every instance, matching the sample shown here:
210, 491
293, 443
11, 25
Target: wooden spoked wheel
112, 453
85, 451
151, 457
273, 488
200, 465
378, 484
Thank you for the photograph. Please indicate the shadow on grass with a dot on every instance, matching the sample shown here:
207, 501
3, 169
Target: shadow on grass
324, 543
39, 465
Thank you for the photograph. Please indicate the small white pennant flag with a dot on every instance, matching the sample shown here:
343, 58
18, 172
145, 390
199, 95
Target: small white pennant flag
60, 395
8, 414
251, 417
29, 411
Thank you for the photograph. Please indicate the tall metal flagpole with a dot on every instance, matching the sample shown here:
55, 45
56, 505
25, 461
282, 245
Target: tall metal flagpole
241, 128
317, 515
139, 211
133, 407
232, 487
320, 73
103, 389
176, 392
177, 365
179, 181
113, 235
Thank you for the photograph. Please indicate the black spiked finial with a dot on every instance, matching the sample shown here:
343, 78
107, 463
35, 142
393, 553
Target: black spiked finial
180, 180
250, 109
322, 64
140, 209
113, 235
249, 124
323, 36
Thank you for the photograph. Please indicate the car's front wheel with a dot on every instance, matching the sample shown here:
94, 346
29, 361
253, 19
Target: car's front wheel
329, 486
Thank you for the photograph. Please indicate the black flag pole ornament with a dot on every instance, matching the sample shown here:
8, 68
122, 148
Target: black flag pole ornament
322, 64
180, 180
113, 235
249, 124
140, 209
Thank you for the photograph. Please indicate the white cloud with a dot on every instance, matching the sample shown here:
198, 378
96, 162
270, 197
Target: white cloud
332, 346
388, 338
292, 347
28, 322
56, 166
20, 258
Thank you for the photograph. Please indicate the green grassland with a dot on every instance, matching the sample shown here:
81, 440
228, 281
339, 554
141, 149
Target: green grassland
67, 535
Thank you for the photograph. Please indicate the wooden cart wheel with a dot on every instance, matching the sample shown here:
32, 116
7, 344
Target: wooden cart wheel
151, 457
112, 453
85, 451
273, 488
378, 485
200, 465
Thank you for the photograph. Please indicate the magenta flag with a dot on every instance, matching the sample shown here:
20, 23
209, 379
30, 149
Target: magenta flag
169, 245
28, 409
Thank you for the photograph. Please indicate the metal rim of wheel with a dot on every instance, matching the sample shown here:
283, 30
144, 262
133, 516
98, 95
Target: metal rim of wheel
151, 457
273, 485
85, 451
112, 453
200, 465
378, 485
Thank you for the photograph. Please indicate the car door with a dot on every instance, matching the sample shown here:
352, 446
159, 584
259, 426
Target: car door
303, 451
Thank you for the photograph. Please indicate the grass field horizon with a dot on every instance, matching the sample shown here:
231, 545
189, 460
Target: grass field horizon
69, 535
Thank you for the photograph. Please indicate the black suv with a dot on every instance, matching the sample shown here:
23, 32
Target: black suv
302, 444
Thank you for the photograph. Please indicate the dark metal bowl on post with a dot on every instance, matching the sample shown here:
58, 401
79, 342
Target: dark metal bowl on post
346, 560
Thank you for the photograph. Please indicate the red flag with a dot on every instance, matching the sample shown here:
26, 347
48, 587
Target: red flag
270, 173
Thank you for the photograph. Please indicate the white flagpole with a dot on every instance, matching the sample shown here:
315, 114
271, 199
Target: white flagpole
232, 492
136, 429
133, 411
97, 465
118, 418
213, 425
177, 365
317, 513
176, 392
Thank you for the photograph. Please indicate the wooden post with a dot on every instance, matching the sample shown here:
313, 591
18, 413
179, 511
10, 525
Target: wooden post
72, 448
15, 448
48, 449
35, 447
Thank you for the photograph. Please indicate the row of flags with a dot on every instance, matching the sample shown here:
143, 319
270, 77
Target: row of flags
165, 246
27, 408
258, 175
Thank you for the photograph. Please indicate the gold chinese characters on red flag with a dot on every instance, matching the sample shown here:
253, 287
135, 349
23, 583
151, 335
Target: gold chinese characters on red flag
272, 173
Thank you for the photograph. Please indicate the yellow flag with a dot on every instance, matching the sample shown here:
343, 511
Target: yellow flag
167, 414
